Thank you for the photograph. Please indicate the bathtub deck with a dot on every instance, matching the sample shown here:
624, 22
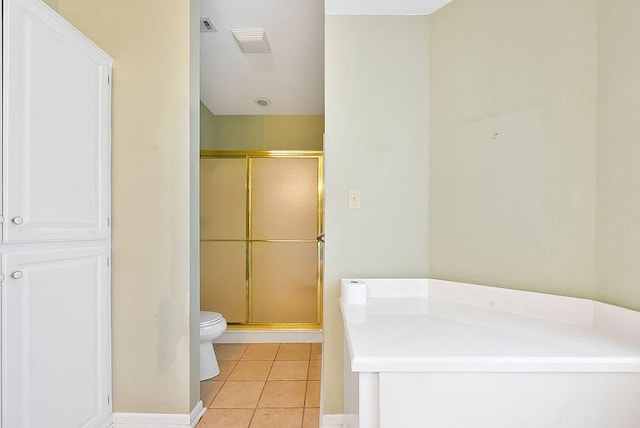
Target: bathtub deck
433, 353
409, 334
429, 334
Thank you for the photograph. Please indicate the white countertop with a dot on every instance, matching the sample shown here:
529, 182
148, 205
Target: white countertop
431, 334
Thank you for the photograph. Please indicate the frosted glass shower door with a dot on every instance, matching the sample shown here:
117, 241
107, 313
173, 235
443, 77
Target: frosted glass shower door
284, 226
223, 234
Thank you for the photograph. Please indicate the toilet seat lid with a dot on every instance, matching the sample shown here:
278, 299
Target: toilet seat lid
208, 318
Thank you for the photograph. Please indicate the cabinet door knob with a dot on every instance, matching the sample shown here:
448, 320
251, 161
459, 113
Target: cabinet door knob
17, 274
17, 220
1, 277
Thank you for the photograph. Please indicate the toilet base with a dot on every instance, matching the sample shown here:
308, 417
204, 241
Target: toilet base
208, 363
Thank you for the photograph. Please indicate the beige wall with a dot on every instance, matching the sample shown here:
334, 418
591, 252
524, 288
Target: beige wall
376, 141
260, 132
53, 4
517, 210
619, 153
152, 260
207, 127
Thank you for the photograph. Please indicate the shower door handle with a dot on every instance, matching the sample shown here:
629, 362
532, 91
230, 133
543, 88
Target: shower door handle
320, 238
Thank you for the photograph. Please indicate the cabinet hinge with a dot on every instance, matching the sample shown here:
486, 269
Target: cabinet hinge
109, 79
108, 261
108, 221
108, 399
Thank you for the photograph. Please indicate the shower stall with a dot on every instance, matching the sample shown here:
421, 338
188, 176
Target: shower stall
261, 237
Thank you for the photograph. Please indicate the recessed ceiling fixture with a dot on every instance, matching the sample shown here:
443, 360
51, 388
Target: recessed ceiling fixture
263, 102
207, 25
252, 40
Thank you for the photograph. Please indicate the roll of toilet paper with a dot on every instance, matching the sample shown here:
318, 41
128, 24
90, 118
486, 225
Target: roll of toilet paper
354, 291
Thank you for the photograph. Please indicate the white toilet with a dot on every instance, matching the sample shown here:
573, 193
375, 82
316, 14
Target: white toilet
212, 325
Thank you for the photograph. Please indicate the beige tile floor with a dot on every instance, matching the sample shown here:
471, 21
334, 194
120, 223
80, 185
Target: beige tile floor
264, 385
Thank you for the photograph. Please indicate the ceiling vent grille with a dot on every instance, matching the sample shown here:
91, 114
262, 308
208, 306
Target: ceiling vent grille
252, 40
207, 26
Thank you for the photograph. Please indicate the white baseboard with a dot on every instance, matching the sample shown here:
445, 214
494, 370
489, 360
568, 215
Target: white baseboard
332, 421
197, 413
158, 420
271, 336
108, 423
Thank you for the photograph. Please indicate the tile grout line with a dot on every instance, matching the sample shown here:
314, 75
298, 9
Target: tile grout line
224, 382
255, 409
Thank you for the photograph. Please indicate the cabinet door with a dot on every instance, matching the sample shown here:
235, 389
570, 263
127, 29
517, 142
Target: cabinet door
56, 128
55, 333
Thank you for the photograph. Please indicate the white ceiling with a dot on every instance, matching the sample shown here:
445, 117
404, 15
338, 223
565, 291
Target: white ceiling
383, 7
292, 75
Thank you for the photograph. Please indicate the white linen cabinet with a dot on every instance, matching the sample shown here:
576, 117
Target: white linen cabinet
55, 304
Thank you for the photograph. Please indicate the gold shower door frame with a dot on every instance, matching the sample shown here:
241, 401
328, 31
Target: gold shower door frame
249, 156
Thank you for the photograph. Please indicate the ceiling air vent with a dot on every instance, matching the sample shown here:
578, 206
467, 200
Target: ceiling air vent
252, 40
207, 26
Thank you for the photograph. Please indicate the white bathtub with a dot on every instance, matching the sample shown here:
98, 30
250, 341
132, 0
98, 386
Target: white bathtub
430, 353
